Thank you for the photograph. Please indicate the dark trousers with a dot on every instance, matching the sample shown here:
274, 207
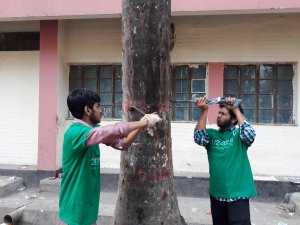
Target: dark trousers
230, 213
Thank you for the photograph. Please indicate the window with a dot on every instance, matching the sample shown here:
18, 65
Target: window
266, 91
19, 41
106, 80
188, 82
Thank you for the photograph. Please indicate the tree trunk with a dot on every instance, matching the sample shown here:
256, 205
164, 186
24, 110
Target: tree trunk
146, 192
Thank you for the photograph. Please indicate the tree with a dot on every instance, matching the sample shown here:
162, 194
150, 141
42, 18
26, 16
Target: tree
146, 192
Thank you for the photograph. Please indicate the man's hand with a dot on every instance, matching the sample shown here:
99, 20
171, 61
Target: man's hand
153, 119
230, 103
201, 103
144, 120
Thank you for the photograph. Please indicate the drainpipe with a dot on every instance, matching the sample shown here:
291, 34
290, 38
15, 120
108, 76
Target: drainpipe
14, 216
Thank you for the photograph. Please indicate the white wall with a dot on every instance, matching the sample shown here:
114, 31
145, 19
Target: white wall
19, 26
274, 152
237, 38
93, 41
19, 84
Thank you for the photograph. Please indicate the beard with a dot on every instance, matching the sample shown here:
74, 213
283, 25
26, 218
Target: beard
94, 119
225, 125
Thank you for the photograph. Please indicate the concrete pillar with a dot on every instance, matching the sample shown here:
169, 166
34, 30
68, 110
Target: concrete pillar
215, 88
48, 95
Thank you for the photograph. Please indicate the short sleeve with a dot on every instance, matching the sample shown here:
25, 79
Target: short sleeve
79, 138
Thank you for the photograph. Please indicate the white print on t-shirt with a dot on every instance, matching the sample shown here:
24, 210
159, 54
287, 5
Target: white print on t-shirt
218, 143
95, 162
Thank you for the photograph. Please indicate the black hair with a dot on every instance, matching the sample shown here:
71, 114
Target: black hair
79, 98
231, 113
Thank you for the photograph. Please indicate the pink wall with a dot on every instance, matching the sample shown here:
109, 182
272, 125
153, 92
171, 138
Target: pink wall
48, 95
58, 8
231, 5
30, 9
215, 88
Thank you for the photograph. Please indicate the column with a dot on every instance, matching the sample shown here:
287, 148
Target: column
48, 95
215, 88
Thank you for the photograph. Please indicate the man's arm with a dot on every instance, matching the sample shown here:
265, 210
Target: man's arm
149, 119
201, 103
247, 133
200, 135
112, 133
136, 125
120, 135
235, 109
123, 144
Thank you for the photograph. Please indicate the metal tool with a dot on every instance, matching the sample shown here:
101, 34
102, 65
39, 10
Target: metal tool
134, 108
222, 100
210, 101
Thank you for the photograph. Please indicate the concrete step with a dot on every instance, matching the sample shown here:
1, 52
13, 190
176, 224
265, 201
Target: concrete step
9, 185
188, 184
30, 174
42, 207
295, 200
269, 188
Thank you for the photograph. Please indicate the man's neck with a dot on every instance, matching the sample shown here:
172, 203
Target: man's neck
226, 128
84, 122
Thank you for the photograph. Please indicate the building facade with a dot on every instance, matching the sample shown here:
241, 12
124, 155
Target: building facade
247, 49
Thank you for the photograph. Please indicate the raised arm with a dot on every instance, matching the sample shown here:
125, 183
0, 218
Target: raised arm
201, 103
200, 135
235, 109
247, 133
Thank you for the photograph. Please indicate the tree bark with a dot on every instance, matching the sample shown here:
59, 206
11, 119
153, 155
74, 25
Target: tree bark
146, 192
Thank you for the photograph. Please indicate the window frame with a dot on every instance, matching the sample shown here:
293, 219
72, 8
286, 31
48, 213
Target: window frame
20, 41
189, 105
257, 93
97, 79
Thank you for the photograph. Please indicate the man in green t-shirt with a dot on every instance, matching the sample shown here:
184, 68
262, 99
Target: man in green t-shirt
80, 185
231, 180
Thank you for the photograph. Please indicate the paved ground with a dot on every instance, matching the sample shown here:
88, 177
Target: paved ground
40, 207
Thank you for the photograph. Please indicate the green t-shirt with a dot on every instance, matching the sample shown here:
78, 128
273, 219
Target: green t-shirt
229, 167
80, 185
